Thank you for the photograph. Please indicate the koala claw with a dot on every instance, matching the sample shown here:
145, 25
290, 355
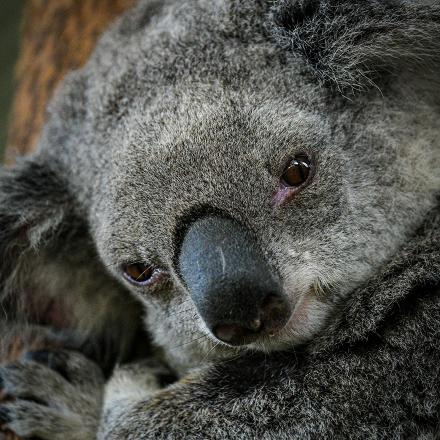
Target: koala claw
52, 396
30, 419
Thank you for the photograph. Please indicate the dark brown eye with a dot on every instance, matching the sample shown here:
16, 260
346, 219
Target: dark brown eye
138, 273
297, 172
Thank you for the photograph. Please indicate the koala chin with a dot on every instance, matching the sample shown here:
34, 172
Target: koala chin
232, 178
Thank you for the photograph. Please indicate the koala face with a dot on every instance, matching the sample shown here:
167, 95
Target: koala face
237, 197
244, 220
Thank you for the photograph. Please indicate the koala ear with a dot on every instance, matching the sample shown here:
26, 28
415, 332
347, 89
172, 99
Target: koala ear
50, 273
351, 44
33, 204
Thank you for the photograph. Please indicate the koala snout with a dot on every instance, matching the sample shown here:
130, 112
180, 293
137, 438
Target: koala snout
234, 289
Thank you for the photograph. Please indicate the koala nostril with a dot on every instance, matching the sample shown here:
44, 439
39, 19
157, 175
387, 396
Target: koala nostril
236, 334
273, 312
255, 325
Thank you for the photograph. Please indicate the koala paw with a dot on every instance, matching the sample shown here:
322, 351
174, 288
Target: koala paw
52, 395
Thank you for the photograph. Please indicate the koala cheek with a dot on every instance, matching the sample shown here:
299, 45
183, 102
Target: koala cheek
308, 318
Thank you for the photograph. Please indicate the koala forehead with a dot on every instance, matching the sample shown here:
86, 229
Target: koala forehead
185, 54
224, 154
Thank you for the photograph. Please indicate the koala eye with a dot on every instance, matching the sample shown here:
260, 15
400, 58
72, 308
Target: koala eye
297, 172
139, 273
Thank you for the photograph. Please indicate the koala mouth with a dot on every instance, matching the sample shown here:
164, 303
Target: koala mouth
232, 286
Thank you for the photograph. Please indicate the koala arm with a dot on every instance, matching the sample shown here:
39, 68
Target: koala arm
376, 389
137, 407
380, 387
254, 398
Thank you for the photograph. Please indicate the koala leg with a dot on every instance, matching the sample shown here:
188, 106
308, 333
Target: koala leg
52, 396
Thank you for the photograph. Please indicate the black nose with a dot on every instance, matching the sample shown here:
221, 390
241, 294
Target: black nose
272, 316
235, 291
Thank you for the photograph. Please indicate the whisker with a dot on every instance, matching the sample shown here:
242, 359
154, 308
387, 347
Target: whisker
240, 355
189, 342
143, 273
210, 350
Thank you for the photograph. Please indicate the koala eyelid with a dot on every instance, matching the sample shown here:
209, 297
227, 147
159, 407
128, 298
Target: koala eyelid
142, 274
287, 190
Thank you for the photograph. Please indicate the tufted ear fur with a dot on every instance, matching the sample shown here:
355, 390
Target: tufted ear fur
354, 44
33, 203
50, 274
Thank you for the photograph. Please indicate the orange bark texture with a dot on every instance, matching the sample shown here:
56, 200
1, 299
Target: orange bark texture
57, 37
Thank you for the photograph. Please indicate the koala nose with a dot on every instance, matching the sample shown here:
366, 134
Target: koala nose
231, 284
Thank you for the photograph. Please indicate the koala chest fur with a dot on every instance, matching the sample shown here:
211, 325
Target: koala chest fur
239, 178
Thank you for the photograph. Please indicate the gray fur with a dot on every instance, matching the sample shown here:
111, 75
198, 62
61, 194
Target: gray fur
355, 44
68, 406
188, 107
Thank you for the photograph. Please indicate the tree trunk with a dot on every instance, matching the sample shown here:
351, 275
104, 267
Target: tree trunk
58, 36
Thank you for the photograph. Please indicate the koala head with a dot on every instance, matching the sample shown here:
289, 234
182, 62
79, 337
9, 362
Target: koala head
238, 184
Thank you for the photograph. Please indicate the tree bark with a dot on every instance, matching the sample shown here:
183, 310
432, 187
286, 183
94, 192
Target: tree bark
57, 37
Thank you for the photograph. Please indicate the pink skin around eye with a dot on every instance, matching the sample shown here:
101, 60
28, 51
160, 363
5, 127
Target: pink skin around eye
284, 194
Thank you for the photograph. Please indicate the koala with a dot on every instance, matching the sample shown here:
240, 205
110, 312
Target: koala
231, 228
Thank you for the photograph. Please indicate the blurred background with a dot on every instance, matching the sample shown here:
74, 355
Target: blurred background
10, 11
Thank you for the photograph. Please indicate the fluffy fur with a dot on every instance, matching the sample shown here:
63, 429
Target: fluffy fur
354, 45
193, 107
